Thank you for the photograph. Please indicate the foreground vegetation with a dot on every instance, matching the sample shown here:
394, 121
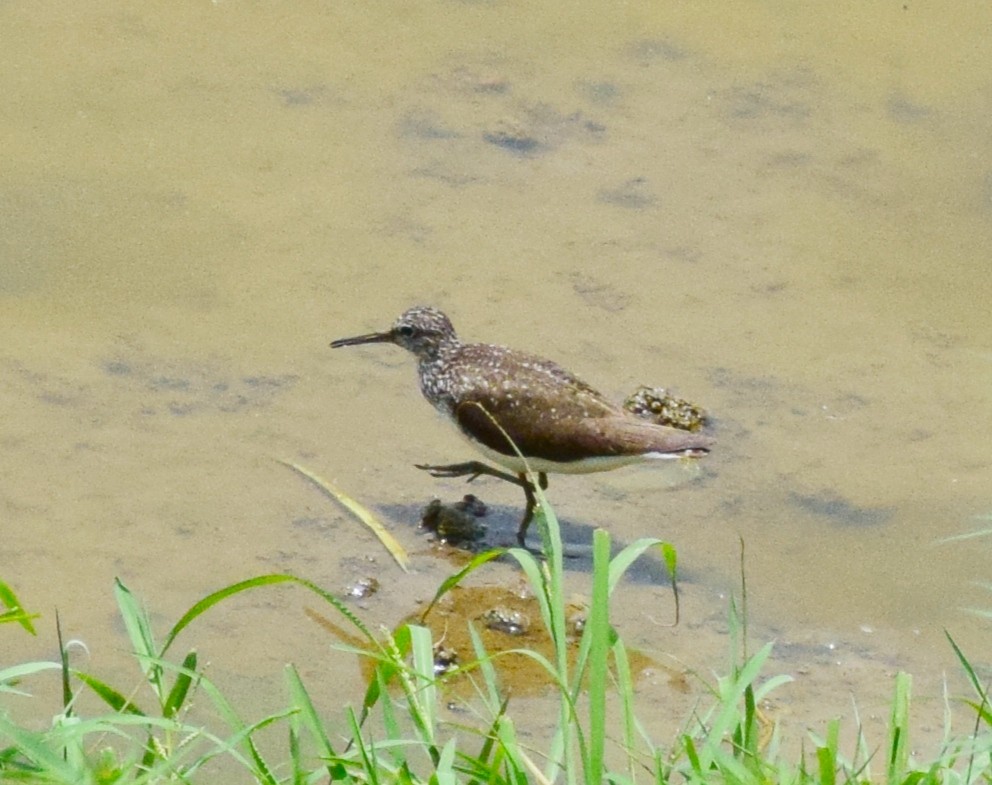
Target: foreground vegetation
728, 742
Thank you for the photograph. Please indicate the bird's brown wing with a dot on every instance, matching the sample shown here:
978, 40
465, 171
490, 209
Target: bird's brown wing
535, 401
574, 439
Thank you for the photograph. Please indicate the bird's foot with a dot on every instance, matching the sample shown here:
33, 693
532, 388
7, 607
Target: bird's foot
471, 469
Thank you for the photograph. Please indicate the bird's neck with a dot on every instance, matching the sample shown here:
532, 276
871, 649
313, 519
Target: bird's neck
434, 371
436, 352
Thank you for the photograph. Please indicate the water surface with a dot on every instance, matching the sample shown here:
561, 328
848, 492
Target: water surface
784, 214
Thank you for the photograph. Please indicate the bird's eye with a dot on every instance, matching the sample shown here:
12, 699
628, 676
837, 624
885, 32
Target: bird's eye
406, 331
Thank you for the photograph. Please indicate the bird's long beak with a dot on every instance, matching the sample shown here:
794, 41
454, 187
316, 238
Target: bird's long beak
386, 337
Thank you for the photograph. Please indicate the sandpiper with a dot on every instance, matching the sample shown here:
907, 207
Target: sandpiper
556, 421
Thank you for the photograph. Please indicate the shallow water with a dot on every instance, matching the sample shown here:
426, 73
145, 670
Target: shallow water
786, 217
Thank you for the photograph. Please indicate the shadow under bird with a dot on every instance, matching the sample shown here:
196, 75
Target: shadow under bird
557, 421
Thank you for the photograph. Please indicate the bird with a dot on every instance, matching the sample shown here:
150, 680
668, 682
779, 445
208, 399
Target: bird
523, 412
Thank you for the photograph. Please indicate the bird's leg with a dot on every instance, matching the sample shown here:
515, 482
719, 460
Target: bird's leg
542, 480
472, 469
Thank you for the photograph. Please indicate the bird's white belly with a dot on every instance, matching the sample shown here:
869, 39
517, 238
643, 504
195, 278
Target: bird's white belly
584, 466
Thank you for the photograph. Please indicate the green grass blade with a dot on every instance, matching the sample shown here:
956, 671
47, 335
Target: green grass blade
444, 768
262, 580
728, 716
139, 632
598, 631
42, 756
295, 753
366, 753
670, 557
64, 661
243, 733
489, 676
453, 580
695, 763
549, 528
114, 699
976, 683
213, 598
19, 616
898, 760
487, 759
627, 556
390, 666
632, 552
534, 573
625, 692
180, 688
15, 611
423, 693
827, 765
16, 673
307, 715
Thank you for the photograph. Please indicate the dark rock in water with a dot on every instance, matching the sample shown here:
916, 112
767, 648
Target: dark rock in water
455, 523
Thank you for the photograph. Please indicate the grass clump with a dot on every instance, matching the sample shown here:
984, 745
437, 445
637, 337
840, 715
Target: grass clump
396, 734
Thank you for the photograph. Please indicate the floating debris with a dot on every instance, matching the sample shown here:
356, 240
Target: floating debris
503, 619
362, 588
445, 659
457, 523
661, 407
575, 619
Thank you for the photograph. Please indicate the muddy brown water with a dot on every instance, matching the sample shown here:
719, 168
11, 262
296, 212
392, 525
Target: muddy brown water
784, 215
